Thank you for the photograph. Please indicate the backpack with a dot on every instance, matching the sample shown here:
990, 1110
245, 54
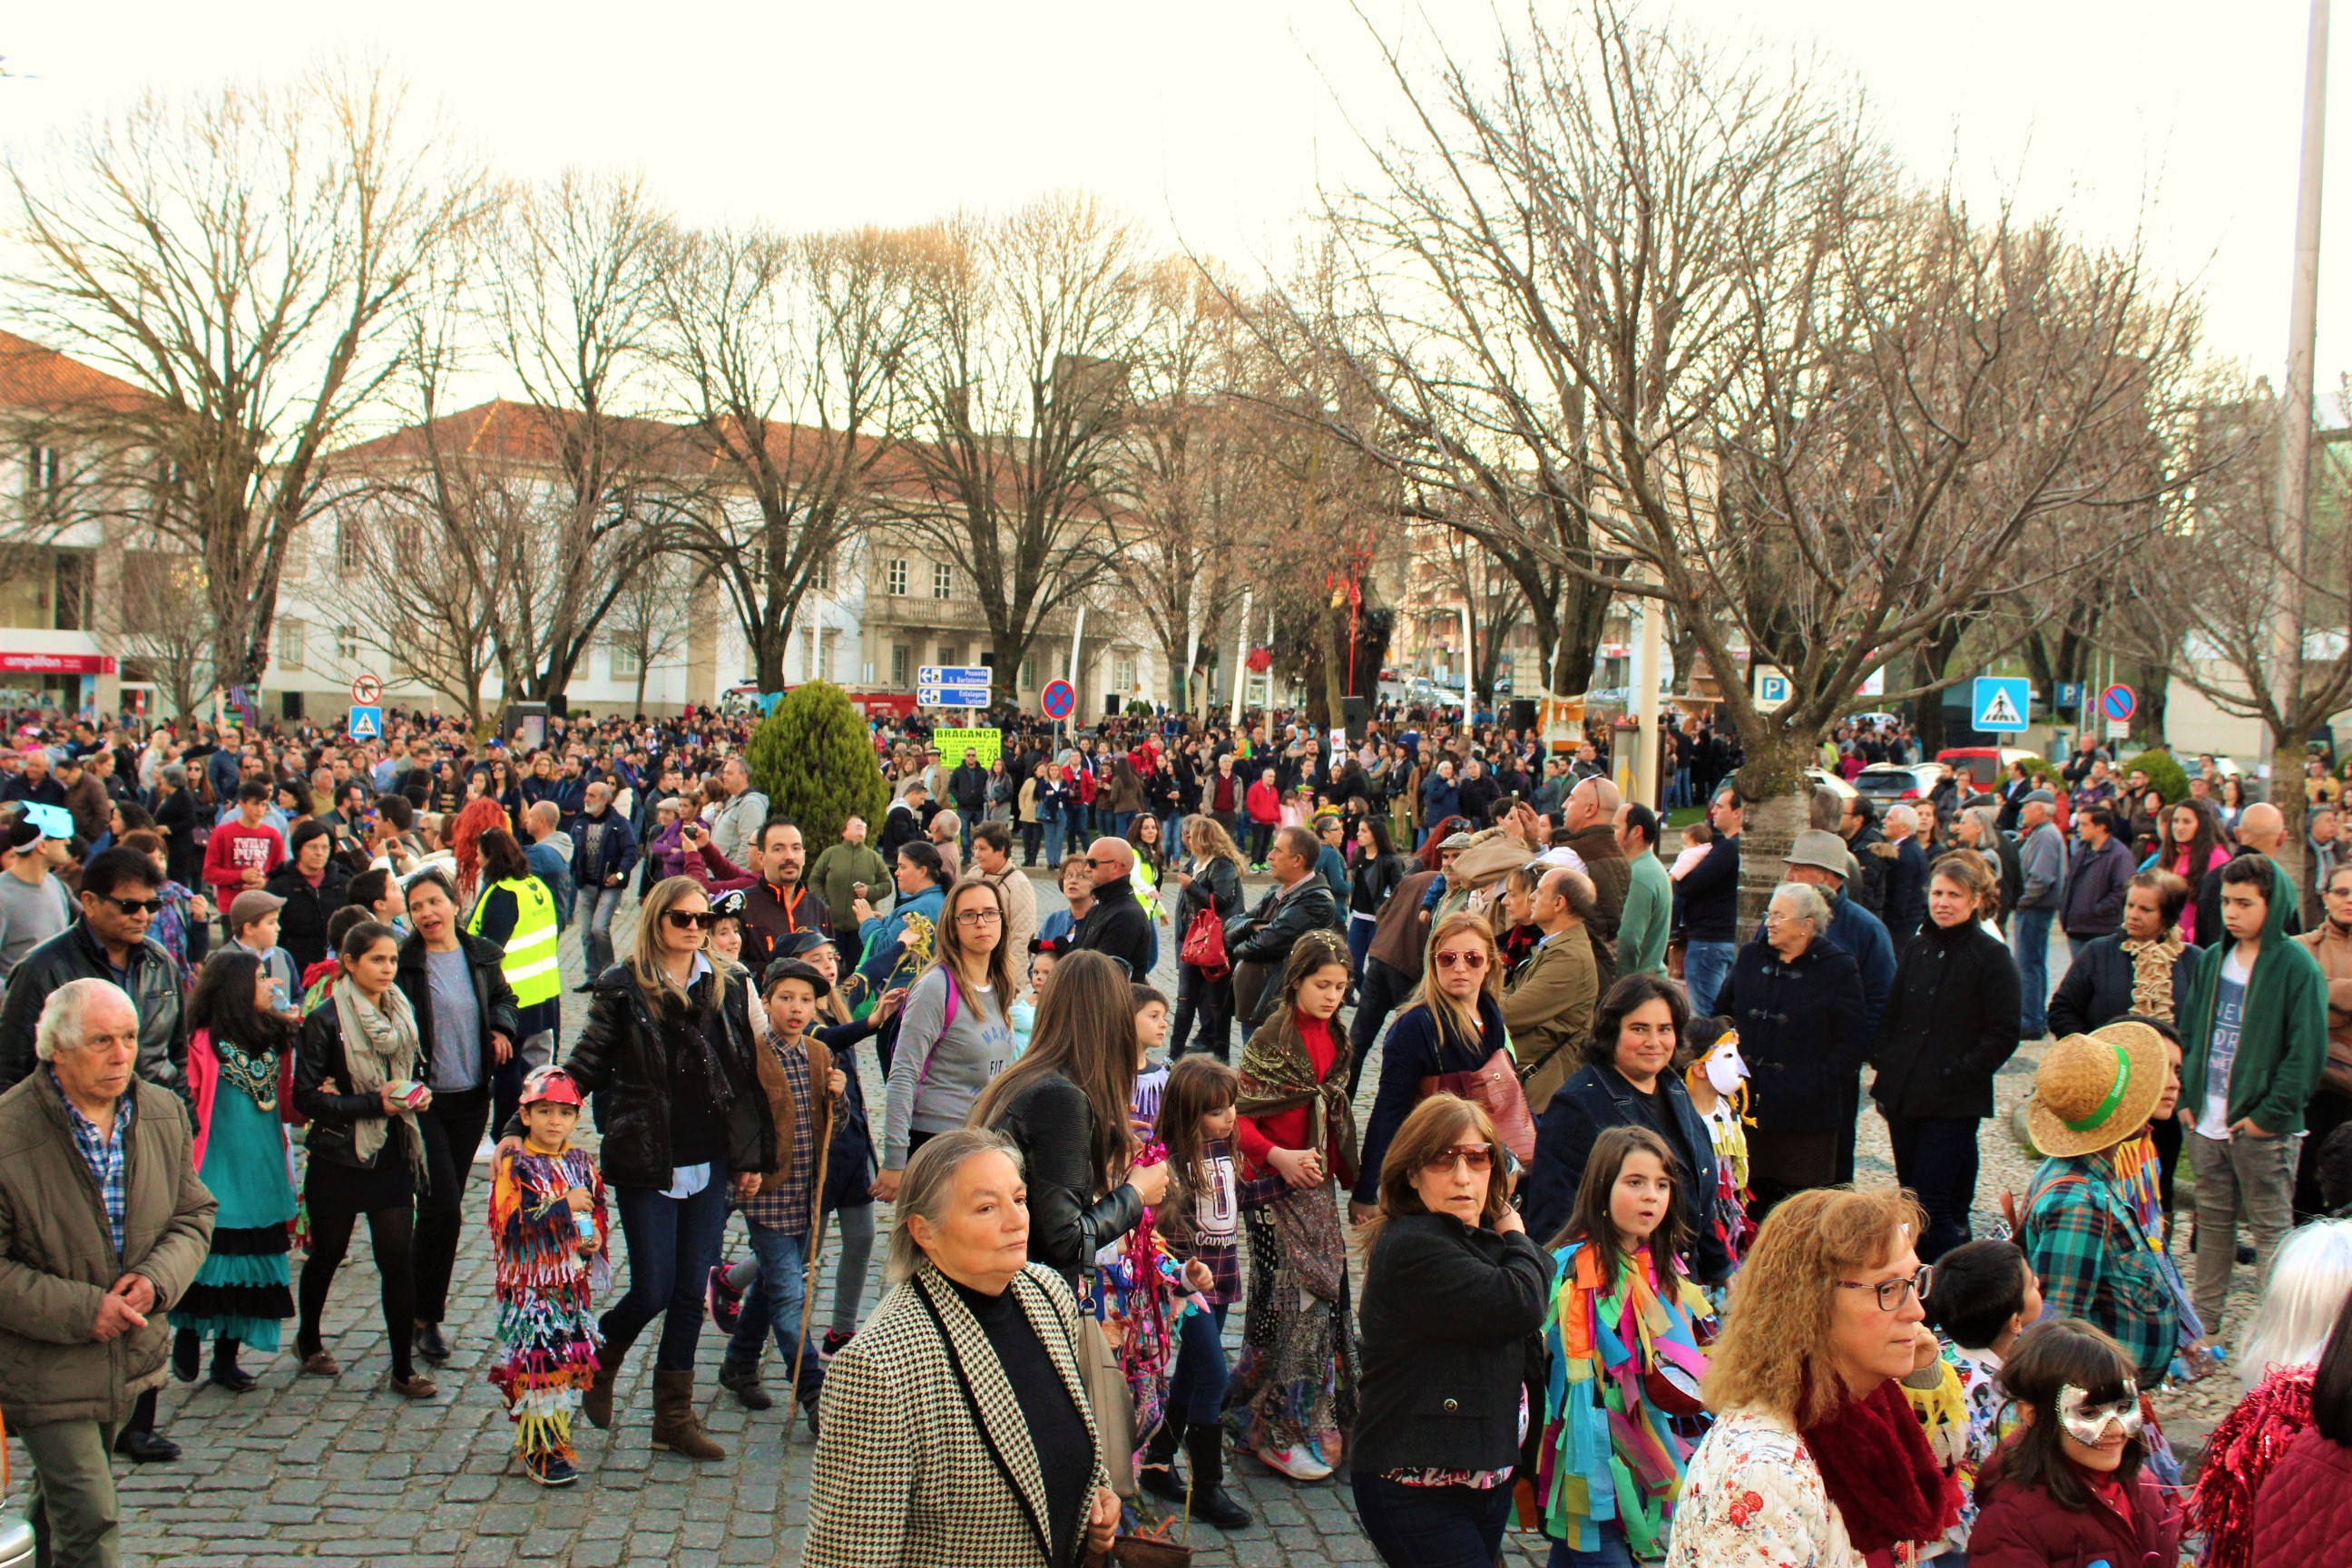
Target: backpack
885, 1038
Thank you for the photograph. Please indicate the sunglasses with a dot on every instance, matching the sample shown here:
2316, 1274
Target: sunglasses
690, 920
1477, 1156
132, 906
1473, 961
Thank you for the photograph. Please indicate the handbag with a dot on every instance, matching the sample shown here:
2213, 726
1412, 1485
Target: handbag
1204, 945
2336, 1073
1495, 1089
1113, 1402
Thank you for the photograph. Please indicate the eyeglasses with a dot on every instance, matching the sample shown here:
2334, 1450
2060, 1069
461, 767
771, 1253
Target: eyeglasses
1477, 1156
979, 918
1890, 1292
1473, 961
132, 906
690, 920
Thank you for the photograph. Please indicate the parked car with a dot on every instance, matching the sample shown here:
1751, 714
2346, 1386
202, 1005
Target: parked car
1887, 783
1821, 778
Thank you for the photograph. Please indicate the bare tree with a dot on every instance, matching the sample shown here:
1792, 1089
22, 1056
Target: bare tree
162, 621
649, 620
787, 351
1816, 410
574, 301
244, 259
1020, 376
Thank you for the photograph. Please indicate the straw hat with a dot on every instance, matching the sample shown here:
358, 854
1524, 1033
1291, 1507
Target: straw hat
2093, 1091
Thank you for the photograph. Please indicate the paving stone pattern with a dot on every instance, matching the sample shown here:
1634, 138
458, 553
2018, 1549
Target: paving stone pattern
313, 1471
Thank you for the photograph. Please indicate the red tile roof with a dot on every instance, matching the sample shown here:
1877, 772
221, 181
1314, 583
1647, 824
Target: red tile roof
32, 376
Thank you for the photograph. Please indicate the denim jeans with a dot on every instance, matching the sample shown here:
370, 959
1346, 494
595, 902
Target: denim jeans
596, 908
1705, 967
1120, 821
1432, 1527
2029, 939
1612, 1552
2242, 1180
1196, 1389
1359, 942
672, 1244
775, 1301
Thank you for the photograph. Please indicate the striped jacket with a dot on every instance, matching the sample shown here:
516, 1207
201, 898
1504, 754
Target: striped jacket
924, 1460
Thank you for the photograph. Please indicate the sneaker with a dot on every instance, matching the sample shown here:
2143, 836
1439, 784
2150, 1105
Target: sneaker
550, 1469
837, 1337
1299, 1462
726, 1301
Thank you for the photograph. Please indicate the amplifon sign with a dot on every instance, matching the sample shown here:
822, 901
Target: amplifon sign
56, 663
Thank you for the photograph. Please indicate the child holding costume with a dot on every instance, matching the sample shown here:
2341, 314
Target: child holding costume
548, 1228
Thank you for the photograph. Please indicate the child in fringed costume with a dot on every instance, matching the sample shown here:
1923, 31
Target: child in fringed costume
1628, 1328
1295, 1390
548, 1230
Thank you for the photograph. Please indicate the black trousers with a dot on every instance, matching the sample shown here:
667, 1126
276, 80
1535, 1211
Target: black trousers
1935, 1157
1211, 1002
1382, 991
1032, 833
393, 1235
2327, 1112
453, 1130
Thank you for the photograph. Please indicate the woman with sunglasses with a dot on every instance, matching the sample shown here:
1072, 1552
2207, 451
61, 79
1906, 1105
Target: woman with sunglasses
1454, 1294
669, 1045
1452, 1022
1818, 1455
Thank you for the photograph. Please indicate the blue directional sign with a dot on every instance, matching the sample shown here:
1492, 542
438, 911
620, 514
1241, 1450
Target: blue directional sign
2001, 702
365, 724
951, 686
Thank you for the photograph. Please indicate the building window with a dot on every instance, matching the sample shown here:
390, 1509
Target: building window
1122, 672
73, 591
627, 662
946, 654
1028, 673
44, 477
942, 581
824, 573
824, 643
347, 548
894, 578
347, 643
290, 643
901, 656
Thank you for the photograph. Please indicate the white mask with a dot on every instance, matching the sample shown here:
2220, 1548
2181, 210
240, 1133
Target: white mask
1724, 1067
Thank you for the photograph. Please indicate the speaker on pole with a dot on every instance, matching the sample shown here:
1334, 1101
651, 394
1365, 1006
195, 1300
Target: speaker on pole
1352, 717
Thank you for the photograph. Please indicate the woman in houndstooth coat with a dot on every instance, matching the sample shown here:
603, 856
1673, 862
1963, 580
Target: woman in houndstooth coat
956, 1430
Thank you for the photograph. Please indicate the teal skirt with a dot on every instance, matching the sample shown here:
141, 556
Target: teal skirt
244, 1291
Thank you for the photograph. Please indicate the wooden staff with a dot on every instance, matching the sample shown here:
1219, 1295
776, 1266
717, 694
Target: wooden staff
817, 1254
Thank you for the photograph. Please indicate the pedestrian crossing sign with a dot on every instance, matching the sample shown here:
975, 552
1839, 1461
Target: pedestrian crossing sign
2001, 702
365, 724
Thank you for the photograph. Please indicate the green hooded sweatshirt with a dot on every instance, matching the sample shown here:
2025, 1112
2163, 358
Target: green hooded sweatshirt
2282, 1038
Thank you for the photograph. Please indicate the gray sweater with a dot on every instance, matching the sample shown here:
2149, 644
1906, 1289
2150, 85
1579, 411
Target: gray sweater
30, 913
938, 1072
2041, 863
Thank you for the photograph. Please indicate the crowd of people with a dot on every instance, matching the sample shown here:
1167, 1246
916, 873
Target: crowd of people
1595, 1256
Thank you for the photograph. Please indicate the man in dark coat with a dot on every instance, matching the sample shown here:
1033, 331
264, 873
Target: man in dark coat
1116, 926
2096, 883
1591, 818
1859, 829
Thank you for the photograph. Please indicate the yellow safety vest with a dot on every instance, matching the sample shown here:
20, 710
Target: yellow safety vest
531, 965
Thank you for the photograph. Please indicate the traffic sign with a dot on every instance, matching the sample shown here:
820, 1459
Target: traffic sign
367, 691
2119, 703
1059, 699
2118, 729
365, 723
2001, 702
1771, 687
953, 674
951, 696
2070, 695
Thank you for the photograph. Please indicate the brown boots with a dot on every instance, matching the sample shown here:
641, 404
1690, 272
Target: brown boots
676, 1427
597, 1402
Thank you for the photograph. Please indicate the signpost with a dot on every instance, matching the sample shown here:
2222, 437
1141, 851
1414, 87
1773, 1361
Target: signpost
985, 746
2001, 702
1059, 699
2119, 704
367, 691
2069, 697
1771, 687
365, 722
951, 686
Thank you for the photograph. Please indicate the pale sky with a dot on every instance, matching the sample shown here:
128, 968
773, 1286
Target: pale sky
1213, 121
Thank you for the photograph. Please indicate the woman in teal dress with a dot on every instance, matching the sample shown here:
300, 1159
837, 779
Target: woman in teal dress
240, 1057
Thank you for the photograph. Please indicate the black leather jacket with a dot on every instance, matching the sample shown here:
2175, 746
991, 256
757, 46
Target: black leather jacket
1052, 1124
74, 953
620, 1059
334, 1117
1279, 922
493, 998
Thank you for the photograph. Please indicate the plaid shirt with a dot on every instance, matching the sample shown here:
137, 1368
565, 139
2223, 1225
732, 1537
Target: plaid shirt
2096, 1263
785, 1207
103, 1155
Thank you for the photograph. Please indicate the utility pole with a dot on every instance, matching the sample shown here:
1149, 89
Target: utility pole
2295, 416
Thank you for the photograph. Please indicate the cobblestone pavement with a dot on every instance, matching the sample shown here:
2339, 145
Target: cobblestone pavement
305, 1470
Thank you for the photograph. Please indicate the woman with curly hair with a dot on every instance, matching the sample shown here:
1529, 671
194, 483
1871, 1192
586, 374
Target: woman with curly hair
1816, 1456
464, 837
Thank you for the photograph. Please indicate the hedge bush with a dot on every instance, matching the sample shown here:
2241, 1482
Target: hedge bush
814, 758
2164, 774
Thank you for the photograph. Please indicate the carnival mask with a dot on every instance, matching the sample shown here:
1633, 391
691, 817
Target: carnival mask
2087, 1423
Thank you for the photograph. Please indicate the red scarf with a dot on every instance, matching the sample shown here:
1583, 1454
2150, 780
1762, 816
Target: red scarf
1883, 1503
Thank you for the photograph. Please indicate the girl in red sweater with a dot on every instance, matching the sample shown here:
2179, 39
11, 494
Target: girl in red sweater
1298, 1376
2069, 1488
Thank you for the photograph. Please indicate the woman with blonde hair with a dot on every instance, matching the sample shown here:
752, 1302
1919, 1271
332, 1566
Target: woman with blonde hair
669, 1044
1452, 1024
1211, 880
1816, 1457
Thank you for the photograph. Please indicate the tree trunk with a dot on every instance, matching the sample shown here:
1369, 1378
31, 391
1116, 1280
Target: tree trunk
1773, 785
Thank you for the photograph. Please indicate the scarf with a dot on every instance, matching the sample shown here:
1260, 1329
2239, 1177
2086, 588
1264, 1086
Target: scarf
2152, 959
1276, 1075
378, 1048
1878, 1469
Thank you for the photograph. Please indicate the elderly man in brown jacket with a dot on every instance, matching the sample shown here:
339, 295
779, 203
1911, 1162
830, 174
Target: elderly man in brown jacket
103, 1225
1550, 1009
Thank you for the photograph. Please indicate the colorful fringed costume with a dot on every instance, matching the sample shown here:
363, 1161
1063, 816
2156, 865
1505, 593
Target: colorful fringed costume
1610, 1454
1132, 1291
547, 1333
